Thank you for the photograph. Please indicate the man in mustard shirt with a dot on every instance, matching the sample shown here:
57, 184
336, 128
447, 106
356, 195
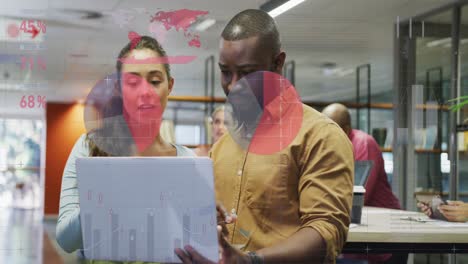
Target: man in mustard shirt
292, 205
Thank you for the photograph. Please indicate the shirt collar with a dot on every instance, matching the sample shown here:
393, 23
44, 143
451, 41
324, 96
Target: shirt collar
281, 104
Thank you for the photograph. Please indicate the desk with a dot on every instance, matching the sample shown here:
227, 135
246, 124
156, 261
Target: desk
383, 231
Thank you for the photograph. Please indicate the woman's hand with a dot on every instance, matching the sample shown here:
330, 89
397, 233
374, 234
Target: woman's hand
455, 211
425, 208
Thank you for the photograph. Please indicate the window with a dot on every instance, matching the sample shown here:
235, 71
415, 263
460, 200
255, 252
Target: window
20, 161
187, 134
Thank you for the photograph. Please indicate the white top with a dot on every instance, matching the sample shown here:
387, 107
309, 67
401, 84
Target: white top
68, 229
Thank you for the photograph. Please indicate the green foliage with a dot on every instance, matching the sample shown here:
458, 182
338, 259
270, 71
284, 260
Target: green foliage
462, 101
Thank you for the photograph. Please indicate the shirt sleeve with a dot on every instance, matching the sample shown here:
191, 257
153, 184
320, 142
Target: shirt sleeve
68, 228
326, 186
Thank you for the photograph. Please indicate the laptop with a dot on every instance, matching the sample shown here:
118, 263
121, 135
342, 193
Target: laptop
362, 169
142, 208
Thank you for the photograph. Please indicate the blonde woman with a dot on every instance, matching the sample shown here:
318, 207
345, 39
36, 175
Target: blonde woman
218, 128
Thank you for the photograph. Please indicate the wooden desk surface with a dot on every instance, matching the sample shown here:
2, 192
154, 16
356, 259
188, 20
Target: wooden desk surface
380, 225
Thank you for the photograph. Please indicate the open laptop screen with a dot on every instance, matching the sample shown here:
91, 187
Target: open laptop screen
362, 169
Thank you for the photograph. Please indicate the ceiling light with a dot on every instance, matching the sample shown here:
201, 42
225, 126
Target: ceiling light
205, 24
276, 7
83, 14
328, 65
329, 72
344, 72
438, 42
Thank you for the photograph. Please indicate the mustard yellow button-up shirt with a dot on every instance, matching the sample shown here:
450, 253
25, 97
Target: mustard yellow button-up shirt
308, 184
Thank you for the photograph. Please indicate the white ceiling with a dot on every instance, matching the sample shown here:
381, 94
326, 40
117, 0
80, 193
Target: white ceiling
79, 53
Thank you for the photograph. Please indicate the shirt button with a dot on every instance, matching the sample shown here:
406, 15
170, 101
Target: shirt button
239, 172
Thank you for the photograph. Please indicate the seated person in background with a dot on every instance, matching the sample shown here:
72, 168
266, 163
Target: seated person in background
293, 206
139, 98
454, 211
217, 130
378, 190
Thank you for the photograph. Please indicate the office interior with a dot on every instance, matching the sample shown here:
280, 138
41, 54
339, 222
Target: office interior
396, 64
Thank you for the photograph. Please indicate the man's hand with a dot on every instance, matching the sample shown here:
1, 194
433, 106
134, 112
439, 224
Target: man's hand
425, 208
223, 218
229, 254
455, 211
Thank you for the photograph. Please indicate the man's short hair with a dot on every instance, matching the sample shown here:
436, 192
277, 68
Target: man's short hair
253, 22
